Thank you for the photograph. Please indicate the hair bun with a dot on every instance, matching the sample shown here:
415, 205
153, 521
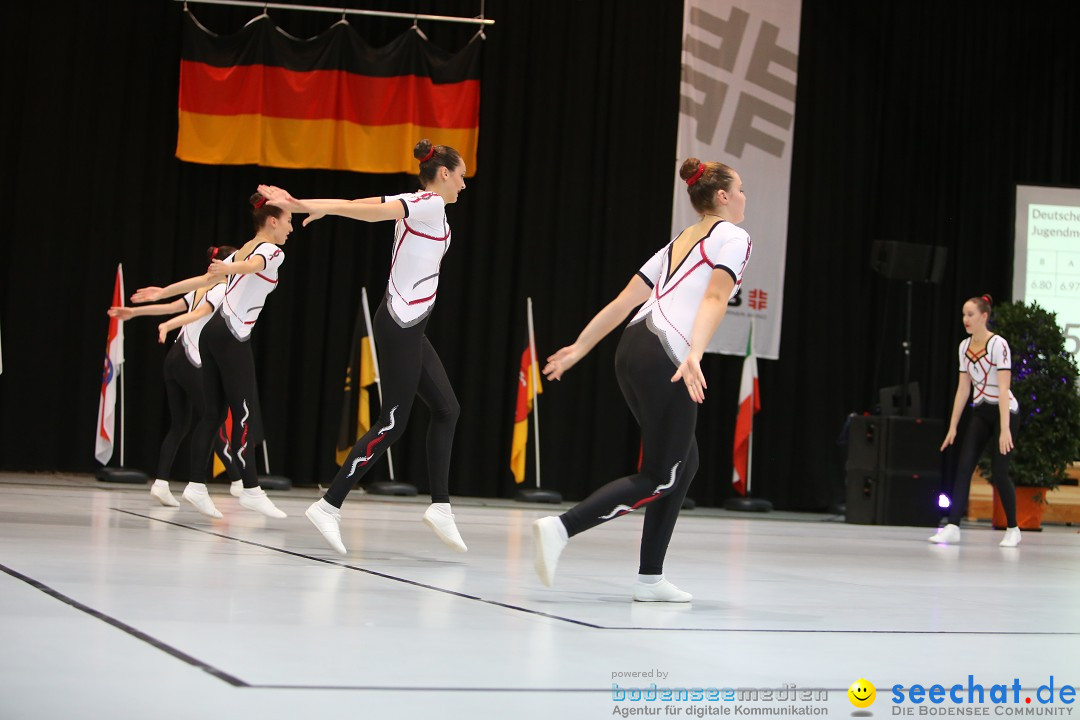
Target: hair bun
689, 168
988, 298
422, 149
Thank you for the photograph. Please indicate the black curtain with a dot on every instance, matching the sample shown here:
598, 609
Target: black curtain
914, 122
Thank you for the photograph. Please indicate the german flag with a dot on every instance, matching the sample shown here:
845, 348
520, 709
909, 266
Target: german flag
331, 102
527, 390
359, 377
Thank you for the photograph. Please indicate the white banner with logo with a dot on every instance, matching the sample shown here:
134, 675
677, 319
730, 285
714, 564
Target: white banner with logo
737, 106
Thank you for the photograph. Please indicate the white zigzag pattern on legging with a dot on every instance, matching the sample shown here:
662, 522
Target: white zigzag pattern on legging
240, 450
385, 430
659, 489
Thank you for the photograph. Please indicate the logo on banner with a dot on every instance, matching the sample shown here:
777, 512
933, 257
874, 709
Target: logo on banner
762, 85
758, 300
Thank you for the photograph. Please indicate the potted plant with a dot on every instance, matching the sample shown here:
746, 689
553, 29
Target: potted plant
1044, 381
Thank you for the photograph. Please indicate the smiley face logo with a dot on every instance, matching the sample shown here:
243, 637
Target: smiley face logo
862, 693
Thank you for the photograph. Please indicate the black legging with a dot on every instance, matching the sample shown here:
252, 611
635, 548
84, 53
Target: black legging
410, 368
984, 426
228, 373
667, 417
184, 392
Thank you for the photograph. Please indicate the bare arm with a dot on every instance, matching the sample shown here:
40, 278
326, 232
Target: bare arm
126, 313
710, 314
149, 294
366, 209
254, 264
180, 320
1005, 441
963, 392
614, 313
324, 202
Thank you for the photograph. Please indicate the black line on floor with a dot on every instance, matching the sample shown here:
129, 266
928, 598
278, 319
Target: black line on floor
398, 688
376, 573
120, 625
582, 623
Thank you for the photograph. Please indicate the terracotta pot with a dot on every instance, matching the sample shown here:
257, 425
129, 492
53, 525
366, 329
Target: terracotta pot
1030, 503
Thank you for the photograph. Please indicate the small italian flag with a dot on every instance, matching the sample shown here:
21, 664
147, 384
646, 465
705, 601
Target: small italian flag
749, 404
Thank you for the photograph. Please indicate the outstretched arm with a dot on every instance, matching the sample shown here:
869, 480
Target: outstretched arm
366, 209
254, 264
710, 314
180, 320
126, 313
149, 294
614, 313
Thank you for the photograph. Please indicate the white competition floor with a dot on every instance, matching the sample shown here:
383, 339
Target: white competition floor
112, 606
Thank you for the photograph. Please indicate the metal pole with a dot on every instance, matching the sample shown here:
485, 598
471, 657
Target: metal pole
750, 439
534, 371
375, 364
345, 11
120, 370
904, 397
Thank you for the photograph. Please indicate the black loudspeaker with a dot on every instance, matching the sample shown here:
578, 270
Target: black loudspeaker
908, 261
895, 400
865, 435
893, 472
909, 499
895, 443
861, 501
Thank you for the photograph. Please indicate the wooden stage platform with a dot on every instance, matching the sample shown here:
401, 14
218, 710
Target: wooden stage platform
1062, 503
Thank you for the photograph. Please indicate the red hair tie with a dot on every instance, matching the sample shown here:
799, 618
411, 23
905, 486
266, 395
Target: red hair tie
213, 254
260, 202
430, 154
696, 176
987, 299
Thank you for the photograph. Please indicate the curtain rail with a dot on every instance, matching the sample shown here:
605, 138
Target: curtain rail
344, 11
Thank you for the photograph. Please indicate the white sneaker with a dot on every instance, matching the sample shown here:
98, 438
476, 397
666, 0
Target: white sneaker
196, 494
255, 499
549, 539
1012, 537
439, 518
160, 490
236, 487
663, 591
327, 519
948, 534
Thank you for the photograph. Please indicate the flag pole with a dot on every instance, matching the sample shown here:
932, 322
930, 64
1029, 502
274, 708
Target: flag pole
750, 439
535, 379
391, 487
121, 474
747, 503
120, 370
536, 494
270, 481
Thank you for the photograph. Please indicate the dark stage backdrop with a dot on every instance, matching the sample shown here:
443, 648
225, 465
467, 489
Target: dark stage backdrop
914, 122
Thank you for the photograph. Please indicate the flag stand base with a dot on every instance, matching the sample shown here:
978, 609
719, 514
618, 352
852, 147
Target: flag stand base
121, 475
275, 482
538, 495
688, 504
391, 487
748, 504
